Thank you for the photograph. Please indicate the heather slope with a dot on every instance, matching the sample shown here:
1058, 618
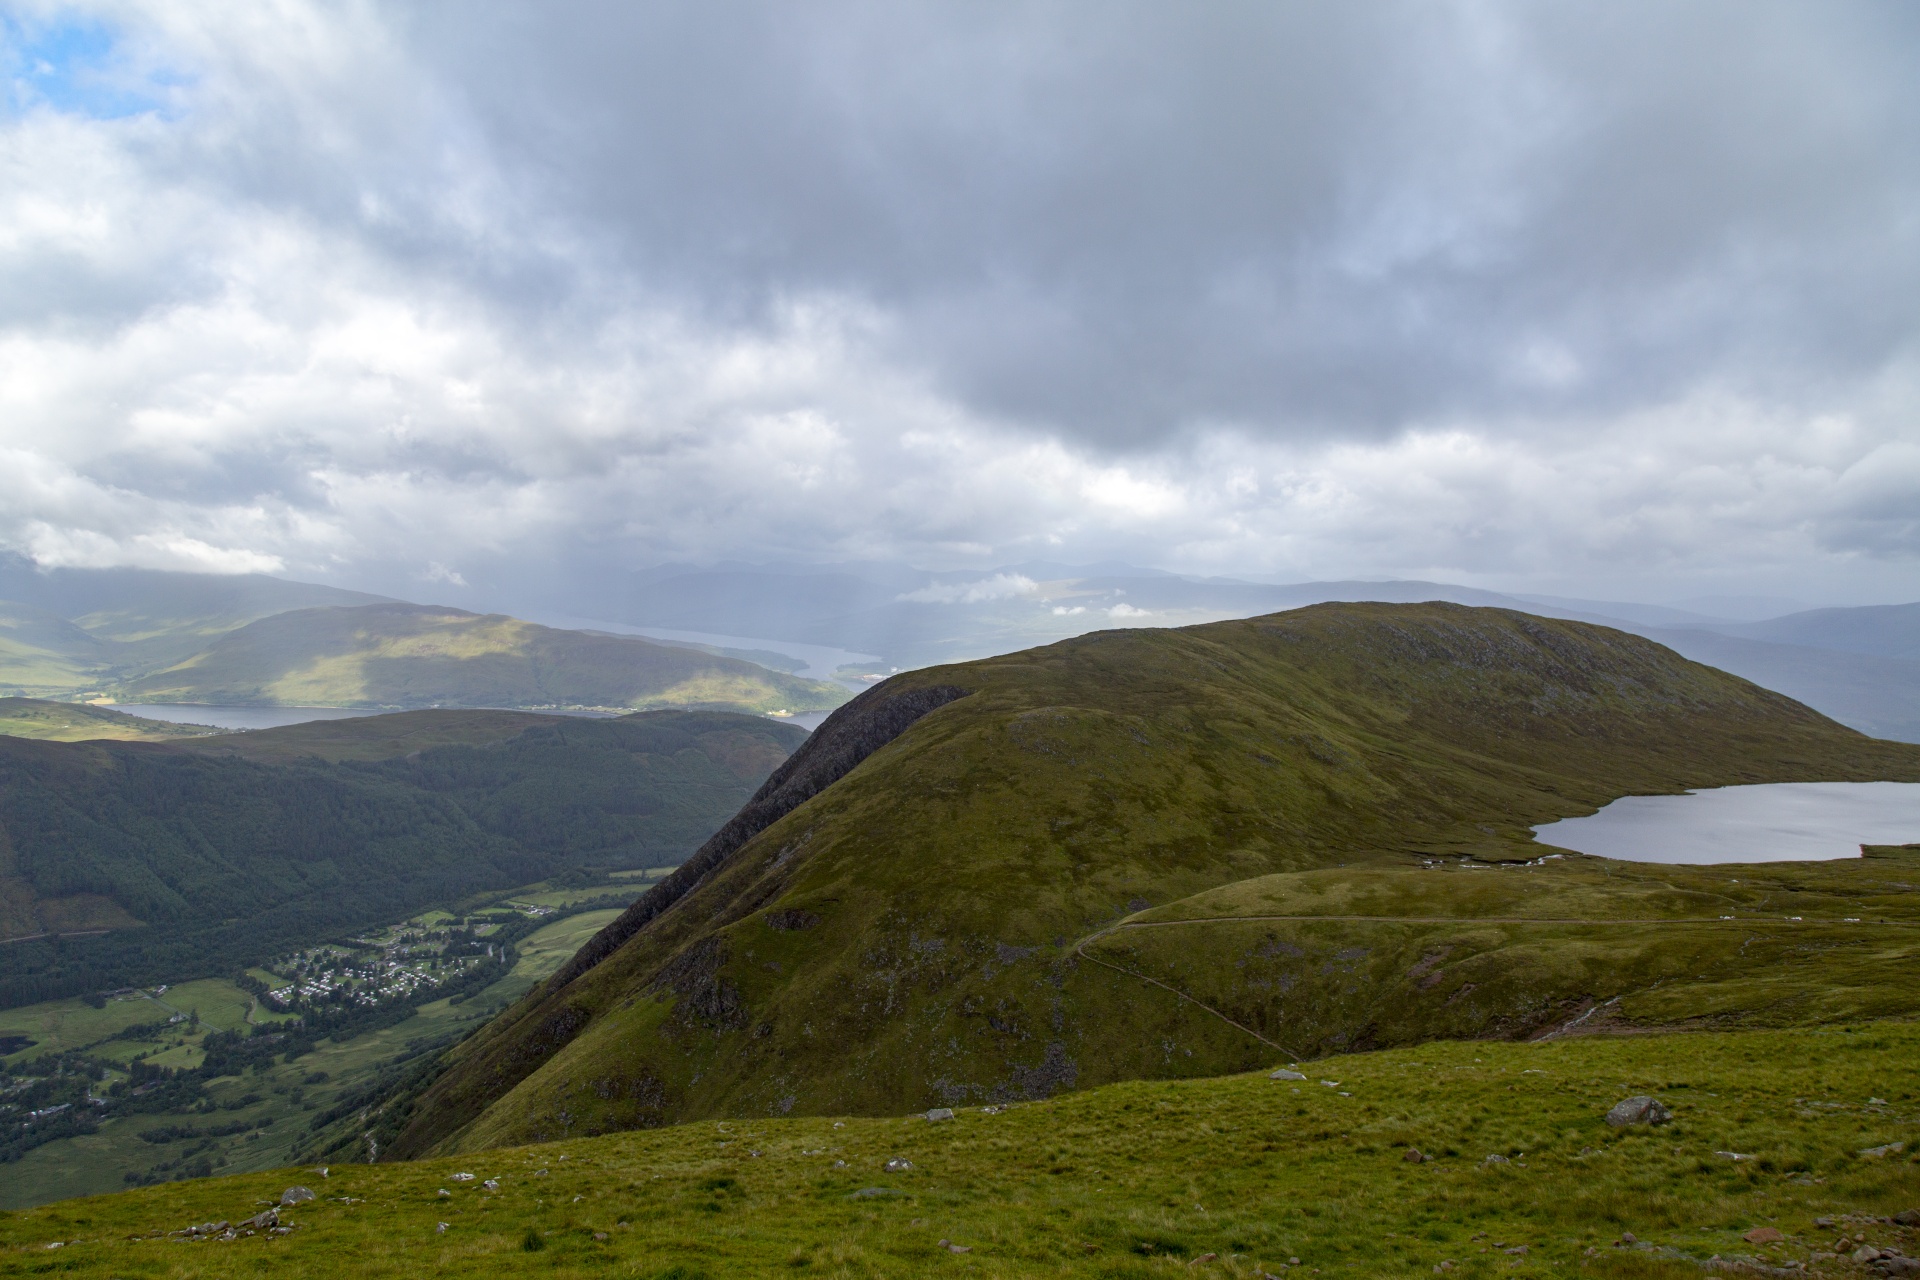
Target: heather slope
927, 925
403, 655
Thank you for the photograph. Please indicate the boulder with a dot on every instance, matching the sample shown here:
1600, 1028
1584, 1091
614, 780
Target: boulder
264, 1219
899, 1164
940, 1113
295, 1195
1284, 1074
1639, 1109
1763, 1235
1907, 1218
1413, 1156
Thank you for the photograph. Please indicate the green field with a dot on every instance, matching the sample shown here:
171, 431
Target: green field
543, 952
78, 722
1229, 1177
284, 1097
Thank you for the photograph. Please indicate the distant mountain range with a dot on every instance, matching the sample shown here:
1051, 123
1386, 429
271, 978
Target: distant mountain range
1859, 665
407, 655
129, 635
139, 635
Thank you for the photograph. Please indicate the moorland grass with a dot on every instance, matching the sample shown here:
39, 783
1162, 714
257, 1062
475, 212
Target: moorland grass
1232, 1176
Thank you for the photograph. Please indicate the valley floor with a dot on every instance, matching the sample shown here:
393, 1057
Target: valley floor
1785, 1144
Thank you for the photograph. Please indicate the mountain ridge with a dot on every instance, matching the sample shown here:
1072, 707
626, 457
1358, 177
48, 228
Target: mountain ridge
391, 655
925, 927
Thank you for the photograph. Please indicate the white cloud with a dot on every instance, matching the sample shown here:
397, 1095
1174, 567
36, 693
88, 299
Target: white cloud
350, 302
1001, 586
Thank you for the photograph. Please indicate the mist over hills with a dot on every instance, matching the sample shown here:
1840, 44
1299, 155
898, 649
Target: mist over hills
921, 906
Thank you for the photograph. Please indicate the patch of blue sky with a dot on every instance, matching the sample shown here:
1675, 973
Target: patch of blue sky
77, 65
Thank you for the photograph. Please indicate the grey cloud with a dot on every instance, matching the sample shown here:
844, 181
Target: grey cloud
1124, 220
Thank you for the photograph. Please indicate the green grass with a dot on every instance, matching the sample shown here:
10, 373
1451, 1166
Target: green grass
957, 890
1230, 1177
78, 722
547, 949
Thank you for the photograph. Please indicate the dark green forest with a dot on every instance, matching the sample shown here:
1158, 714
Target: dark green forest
229, 861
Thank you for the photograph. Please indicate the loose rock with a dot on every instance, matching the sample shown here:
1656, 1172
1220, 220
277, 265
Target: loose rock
1907, 1218
899, 1164
1284, 1074
1639, 1109
264, 1219
295, 1195
1413, 1156
1763, 1235
940, 1113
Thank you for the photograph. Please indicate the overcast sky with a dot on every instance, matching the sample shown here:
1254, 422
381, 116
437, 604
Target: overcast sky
1607, 298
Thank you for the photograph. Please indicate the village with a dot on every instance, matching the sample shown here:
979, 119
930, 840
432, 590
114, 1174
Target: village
394, 964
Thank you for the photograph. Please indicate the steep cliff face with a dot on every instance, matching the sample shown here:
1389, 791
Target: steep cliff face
917, 908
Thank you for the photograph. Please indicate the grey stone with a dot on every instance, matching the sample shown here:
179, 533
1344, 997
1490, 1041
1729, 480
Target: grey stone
1907, 1218
1897, 1266
940, 1113
1284, 1074
899, 1164
1639, 1109
264, 1219
1866, 1253
295, 1195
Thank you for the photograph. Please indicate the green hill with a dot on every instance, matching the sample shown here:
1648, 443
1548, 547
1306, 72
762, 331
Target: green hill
131, 863
1776, 1163
944, 897
395, 655
78, 722
131, 619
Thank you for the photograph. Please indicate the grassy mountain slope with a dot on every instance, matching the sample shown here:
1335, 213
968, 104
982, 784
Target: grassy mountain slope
229, 859
912, 911
78, 722
1237, 1177
411, 655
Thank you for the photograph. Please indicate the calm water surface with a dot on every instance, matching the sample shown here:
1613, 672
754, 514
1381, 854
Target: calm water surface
1774, 822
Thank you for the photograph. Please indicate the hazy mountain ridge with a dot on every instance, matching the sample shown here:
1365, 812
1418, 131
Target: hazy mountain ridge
907, 935
393, 655
916, 618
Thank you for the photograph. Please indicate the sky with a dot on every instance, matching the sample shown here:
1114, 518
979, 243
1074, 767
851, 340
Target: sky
1608, 297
